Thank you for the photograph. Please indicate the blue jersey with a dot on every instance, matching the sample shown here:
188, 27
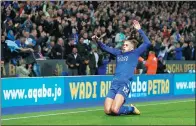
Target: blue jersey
127, 62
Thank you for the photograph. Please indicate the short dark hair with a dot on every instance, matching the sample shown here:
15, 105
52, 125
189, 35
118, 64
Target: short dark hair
133, 41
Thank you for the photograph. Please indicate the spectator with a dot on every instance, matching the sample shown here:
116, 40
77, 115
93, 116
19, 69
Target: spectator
93, 61
157, 45
26, 51
170, 49
179, 50
194, 53
21, 70
39, 55
2, 74
162, 51
187, 52
161, 68
10, 35
3, 47
120, 37
27, 25
22, 46
151, 63
42, 42
50, 50
40, 30
166, 32
8, 25
33, 36
67, 28
86, 40
58, 49
15, 48
73, 61
75, 36
29, 41
192, 50
83, 65
69, 48
140, 69
82, 48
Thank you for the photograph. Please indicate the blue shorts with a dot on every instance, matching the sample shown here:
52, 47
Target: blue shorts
119, 88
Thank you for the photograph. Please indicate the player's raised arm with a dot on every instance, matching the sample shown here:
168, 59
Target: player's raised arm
146, 42
106, 48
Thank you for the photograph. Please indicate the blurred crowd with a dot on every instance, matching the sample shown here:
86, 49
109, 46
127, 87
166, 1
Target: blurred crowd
33, 30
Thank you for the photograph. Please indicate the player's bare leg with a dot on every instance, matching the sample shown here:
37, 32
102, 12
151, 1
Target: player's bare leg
108, 106
118, 102
118, 108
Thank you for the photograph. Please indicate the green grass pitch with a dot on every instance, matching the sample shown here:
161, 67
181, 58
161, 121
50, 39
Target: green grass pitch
175, 112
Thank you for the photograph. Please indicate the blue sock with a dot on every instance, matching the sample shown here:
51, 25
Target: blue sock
125, 110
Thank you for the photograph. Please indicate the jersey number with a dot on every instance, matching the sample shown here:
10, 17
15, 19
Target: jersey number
126, 90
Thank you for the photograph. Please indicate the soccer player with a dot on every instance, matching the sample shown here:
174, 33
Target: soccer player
126, 61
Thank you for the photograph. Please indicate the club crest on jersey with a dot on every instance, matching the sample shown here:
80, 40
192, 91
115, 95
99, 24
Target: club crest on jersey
122, 58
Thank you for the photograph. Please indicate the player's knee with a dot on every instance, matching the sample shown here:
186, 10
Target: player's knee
115, 110
107, 110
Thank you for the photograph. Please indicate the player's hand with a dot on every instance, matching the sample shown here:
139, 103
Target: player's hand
77, 64
71, 65
98, 38
94, 37
136, 25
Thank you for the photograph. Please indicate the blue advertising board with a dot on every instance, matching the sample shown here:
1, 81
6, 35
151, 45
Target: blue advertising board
95, 88
184, 84
86, 88
151, 86
89, 89
32, 91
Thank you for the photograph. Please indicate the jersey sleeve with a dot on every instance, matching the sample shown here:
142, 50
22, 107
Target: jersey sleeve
109, 49
145, 44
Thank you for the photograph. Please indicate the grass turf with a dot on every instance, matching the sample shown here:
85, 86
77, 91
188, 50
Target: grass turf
175, 112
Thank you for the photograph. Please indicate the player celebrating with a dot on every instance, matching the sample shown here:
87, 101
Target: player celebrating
126, 61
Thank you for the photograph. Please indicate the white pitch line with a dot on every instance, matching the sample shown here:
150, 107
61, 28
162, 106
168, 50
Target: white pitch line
92, 110
36, 116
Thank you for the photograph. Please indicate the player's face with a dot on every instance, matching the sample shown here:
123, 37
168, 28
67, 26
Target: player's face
127, 46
